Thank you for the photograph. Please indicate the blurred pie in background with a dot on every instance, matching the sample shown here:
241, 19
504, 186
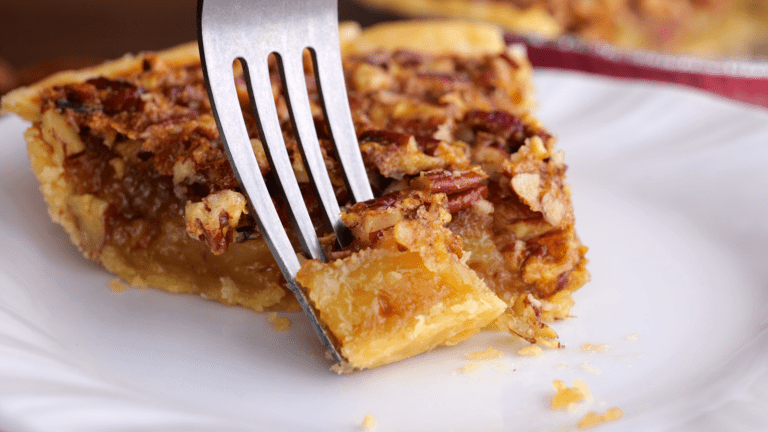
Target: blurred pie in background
48, 36
709, 28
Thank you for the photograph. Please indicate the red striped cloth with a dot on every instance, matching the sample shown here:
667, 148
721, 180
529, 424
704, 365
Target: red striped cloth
746, 81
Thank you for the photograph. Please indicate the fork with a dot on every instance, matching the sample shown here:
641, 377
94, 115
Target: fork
249, 31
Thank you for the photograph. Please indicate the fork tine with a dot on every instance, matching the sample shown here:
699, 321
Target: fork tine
226, 109
292, 73
326, 56
232, 31
256, 74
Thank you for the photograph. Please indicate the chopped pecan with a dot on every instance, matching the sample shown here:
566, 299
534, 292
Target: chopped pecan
372, 220
523, 319
395, 155
80, 98
498, 128
407, 58
536, 176
378, 58
118, 95
370, 78
61, 134
215, 219
438, 83
381, 202
424, 129
495, 122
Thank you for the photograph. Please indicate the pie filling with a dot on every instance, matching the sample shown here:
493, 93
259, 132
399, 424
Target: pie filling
472, 225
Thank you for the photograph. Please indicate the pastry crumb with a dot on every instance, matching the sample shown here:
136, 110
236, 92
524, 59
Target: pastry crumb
586, 367
341, 369
588, 347
229, 290
566, 397
592, 418
530, 351
562, 367
118, 286
468, 368
489, 354
633, 337
279, 323
500, 368
138, 282
369, 423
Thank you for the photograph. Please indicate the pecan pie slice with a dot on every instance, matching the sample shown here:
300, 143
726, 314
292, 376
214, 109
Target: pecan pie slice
472, 226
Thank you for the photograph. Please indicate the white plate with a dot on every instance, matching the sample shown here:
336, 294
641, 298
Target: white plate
671, 195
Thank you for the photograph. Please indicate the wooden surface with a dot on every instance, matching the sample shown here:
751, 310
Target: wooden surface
39, 37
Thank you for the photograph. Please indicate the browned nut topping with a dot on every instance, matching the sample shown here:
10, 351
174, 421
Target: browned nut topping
448, 182
215, 219
464, 200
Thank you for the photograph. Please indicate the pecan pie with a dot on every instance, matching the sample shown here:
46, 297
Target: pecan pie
700, 27
472, 226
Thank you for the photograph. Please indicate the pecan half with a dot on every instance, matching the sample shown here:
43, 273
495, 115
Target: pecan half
464, 200
384, 137
463, 188
448, 182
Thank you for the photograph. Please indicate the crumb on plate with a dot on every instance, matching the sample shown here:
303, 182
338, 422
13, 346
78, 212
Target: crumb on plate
586, 367
567, 396
530, 351
340, 369
592, 418
501, 368
489, 354
588, 347
116, 285
279, 323
467, 369
369, 423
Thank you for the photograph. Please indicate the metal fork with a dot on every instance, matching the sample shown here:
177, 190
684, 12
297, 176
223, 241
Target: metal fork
249, 31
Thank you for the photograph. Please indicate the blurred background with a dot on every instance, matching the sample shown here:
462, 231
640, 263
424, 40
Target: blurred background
39, 37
